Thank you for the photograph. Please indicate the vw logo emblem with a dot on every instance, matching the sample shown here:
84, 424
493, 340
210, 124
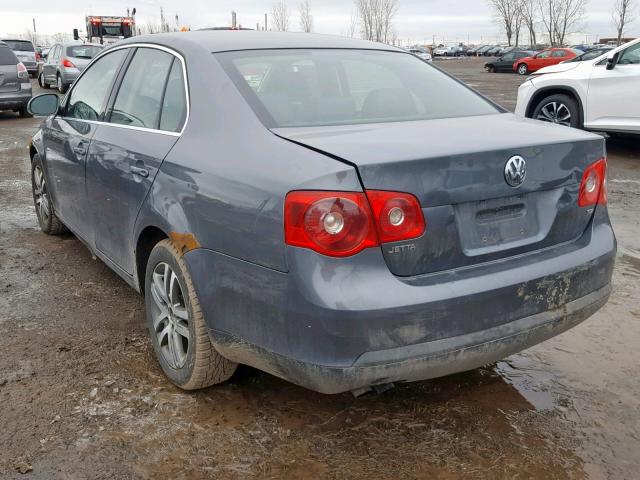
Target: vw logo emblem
515, 171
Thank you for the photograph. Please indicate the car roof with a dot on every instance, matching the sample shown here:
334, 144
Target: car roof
17, 40
231, 40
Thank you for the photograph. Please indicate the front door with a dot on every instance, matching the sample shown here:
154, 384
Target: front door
613, 99
144, 122
67, 138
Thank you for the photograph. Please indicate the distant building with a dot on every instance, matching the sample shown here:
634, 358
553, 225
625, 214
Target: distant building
614, 41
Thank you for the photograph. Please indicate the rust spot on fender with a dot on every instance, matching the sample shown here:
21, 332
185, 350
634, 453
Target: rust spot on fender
184, 242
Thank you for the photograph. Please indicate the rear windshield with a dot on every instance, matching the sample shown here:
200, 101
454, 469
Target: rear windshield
84, 51
20, 45
7, 57
299, 88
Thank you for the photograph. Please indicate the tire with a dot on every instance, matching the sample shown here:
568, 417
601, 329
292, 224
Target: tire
491, 69
560, 109
198, 364
62, 88
24, 113
47, 219
523, 69
41, 81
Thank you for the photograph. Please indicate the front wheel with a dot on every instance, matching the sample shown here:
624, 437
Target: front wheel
47, 219
559, 109
523, 69
176, 323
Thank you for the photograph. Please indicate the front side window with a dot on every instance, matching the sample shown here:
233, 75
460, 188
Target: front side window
87, 99
558, 54
140, 96
288, 88
508, 57
544, 54
631, 56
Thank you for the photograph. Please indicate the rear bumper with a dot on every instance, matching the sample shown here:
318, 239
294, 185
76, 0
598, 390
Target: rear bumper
69, 75
334, 325
14, 100
422, 361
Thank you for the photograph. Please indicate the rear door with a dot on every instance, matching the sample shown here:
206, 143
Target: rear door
49, 69
146, 115
9, 81
67, 138
613, 98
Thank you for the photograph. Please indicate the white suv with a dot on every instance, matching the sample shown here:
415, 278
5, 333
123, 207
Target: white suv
602, 94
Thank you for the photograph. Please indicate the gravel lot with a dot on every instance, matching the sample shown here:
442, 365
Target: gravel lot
82, 396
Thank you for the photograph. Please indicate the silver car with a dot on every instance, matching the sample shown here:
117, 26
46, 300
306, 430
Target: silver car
65, 62
25, 52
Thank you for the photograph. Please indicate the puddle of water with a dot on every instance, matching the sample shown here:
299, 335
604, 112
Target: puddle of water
631, 261
517, 371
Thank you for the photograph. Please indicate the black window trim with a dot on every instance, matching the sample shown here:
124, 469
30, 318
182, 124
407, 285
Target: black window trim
118, 80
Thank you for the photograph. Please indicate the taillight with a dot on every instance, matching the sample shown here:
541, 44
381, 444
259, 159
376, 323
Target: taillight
67, 63
593, 188
398, 216
337, 224
340, 224
22, 70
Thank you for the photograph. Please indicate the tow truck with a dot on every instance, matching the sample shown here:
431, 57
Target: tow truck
108, 30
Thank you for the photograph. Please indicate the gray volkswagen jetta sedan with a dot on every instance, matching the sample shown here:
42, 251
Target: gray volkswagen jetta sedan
325, 209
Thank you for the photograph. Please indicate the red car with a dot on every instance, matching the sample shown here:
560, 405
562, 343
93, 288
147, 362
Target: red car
550, 56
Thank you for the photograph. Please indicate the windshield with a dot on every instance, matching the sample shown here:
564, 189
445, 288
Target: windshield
20, 45
288, 88
84, 51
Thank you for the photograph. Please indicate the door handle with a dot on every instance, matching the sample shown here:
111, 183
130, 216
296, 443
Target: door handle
142, 172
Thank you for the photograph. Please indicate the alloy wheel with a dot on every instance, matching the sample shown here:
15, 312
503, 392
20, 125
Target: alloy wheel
40, 195
555, 112
170, 316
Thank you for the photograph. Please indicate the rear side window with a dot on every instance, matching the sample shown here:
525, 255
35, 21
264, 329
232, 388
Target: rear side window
298, 88
139, 98
20, 45
174, 105
89, 93
7, 57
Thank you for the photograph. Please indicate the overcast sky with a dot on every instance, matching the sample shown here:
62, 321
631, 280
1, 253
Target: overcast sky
417, 20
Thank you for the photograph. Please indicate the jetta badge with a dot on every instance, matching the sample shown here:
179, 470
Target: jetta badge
515, 171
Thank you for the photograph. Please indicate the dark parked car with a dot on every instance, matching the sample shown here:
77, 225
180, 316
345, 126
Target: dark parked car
295, 202
15, 87
505, 62
590, 55
25, 52
65, 62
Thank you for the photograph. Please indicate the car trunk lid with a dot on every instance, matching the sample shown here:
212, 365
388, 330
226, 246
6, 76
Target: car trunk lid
456, 169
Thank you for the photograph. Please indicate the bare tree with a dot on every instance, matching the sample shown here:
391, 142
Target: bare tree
376, 19
623, 15
561, 18
306, 19
353, 25
529, 17
280, 15
506, 13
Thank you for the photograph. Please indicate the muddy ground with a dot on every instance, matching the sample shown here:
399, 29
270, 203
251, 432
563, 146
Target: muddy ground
82, 397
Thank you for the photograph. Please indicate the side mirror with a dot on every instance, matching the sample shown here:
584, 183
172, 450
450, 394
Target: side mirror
612, 60
44, 105
76, 36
